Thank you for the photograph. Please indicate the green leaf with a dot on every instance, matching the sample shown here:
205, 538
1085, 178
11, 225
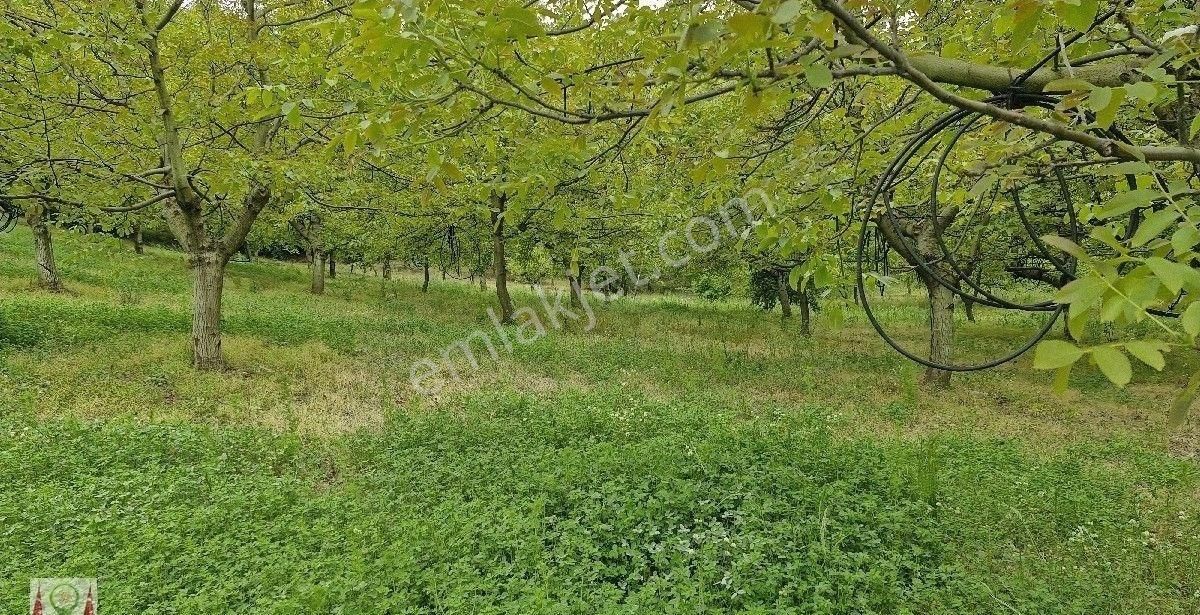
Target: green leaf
1106, 113
818, 75
1183, 403
1025, 21
983, 185
1190, 319
748, 25
1173, 275
1078, 16
1100, 98
702, 33
1113, 364
821, 27
1148, 352
291, 111
1066, 245
553, 88
1083, 292
1126, 168
1112, 307
1184, 238
521, 22
1053, 354
1125, 202
794, 277
1077, 319
1068, 84
1153, 225
365, 13
787, 11
1062, 379
1143, 90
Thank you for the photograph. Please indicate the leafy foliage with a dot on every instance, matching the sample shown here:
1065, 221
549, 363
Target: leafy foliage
713, 287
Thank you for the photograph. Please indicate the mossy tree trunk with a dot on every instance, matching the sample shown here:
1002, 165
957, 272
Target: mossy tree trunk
805, 313
920, 236
575, 284
318, 271
208, 283
941, 333
499, 260
43, 244
781, 288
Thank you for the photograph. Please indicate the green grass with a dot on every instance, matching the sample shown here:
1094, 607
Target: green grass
684, 457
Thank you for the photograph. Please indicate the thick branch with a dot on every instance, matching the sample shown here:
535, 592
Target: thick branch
1105, 146
999, 78
166, 19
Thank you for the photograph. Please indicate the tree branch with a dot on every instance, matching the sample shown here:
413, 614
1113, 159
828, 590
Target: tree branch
1105, 146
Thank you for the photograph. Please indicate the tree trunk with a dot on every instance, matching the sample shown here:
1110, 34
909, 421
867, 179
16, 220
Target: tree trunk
941, 299
139, 247
208, 271
575, 288
941, 333
333, 266
185, 216
316, 246
318, 270
805, 314
969, 309
387, 268
48, 278
425, 284
499, 261
781, 288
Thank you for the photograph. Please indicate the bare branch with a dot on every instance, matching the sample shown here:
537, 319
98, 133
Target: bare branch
166, 19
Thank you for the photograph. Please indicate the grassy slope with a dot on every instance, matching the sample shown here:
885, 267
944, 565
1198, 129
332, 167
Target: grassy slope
680, 458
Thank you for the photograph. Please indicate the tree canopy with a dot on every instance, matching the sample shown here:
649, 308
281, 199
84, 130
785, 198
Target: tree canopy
1032, 155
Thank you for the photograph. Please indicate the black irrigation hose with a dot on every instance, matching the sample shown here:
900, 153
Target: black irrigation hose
1063, 268
990, 299
896, 173
902, 161
948, 258
1014, 99
8, 216
886, 183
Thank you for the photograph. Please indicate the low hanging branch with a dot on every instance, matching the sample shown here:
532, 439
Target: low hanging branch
46, 198
1105, 146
